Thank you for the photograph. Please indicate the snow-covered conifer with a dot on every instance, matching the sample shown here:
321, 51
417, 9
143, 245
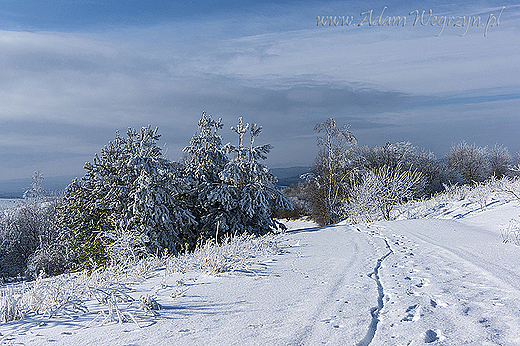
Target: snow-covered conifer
130, 188
235, 193
252, 183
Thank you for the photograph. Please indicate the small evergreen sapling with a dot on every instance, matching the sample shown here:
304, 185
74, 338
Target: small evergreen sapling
253, 184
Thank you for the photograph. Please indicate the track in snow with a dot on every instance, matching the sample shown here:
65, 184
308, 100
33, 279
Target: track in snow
374, 312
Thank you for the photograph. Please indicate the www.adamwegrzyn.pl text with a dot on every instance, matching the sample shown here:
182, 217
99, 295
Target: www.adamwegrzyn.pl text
417, 18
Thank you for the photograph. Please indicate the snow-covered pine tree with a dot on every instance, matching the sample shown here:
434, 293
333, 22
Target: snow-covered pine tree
234, 193
252, 184
129, 194
205, 157
204, 160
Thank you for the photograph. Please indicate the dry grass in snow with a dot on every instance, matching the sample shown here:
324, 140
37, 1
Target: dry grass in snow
110, 287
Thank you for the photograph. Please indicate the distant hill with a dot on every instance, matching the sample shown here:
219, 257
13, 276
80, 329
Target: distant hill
290, 175
15, 188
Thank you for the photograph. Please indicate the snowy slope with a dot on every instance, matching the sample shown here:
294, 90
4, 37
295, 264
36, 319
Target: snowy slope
436, 281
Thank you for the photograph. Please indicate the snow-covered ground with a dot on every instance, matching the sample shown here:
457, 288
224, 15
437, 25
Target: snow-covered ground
443, 280
10, 202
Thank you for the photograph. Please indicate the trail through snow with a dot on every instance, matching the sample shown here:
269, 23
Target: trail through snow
408, 282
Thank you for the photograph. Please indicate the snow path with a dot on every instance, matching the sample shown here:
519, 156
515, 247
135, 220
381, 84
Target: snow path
316, 292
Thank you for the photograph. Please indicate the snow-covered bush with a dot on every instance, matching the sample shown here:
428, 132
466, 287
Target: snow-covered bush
27, 231
130, 198
379, 191
409, 157
471, 161
499, 161
511, 234
50, 259
10, 309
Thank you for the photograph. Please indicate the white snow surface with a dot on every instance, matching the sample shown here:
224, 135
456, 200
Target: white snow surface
446, 280
10, 202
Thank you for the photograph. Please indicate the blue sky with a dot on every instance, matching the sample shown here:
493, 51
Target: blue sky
74, 72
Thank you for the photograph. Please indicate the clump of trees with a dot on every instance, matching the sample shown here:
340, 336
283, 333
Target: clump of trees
477, 164
352, 182
133, 202
232, 191
366, 183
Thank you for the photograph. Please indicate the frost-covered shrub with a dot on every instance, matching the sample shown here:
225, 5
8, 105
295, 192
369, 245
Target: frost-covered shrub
379, 191
409, 157
50, 259
391, 155
511, 234
499, 161
30, 235
471, 161
10, 309
26, 232
477, 164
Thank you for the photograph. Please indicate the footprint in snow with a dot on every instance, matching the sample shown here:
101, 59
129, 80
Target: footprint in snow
412, 313
485, 322
430, 336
